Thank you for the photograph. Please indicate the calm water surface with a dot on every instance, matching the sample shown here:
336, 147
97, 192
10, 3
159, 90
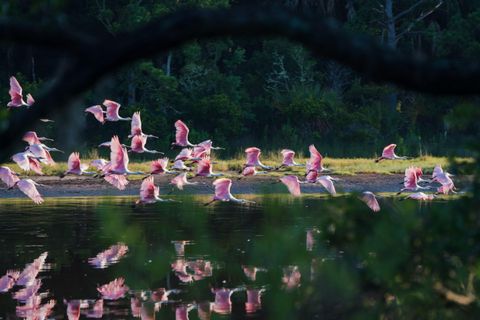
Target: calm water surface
282, 258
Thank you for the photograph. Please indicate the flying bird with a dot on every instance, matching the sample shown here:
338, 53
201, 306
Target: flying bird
410, 181
181, 135
159, 166
9, 177
27, 161
421, 196
288, 160
74, 166
97, 112
138, 145
371, 200
28, 187
389, 154
292, 184
16, 95
315, 163
31, 137
112, 111
223, 193
136, 127
181, 180
327, 183
204, 169
149, 192
253, 158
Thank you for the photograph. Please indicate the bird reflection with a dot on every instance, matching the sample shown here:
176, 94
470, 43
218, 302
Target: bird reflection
251, 272
108, 257
254, 302
223, 303
291, 277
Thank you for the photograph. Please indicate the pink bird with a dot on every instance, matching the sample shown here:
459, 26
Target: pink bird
410, 182
311, 176
315, 162
119, 181
222, 192
371, 200
254, 302
27, 161
159, 166
28, 187
288, 160
327, 183
251, 171
419, 174
421, 196
97, 112
253, 158
112, 111
292, 184
389, 154
41, 153
181, 180
181, 135
204, 169
98, 163
118, 160
138, 145
436, 171
113, 290
8, 176
446, 182
74, 166
204, 148
8, 280
16, 95
179, 165
149, 193
136, 127
31, 137
110, 256
186, 154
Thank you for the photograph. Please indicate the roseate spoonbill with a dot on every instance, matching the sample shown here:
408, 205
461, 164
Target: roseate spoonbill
31, 137
8, 280
41, 154
204, 169
27, 161
109, 256
253, 158
222, 192
371, 200
179, 165
327, 183
315, 162
138, 145
28, 187
311, 177
410, 182
118, 160
8, 176
251, 171
16, 95
288, 160
136, 127
113, 290
421, 196
46, 120
159, 166
97, 112
292, 184
186, 154
149, 192
204, 147
291, 277
436, 171
223, 303
419, 174
181, 180
112, 111
181, 135
74, 166
388, 153
446, 182
254, 302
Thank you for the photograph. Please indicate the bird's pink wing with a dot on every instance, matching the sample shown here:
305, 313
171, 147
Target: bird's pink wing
35, 166
312, 176
287, 156
248, 171
410, 180
137, 144
27, 186
8, 176
136, 127
389, 151
116, 153
21, 160
185, 154
437, 171
97, 112
112, 109
31, 137
222, 188
147, 189
30, 100
74, 162
292, 184
328, 184
181, 134
118, 181
15, 91
204, 166
253, 156
371, 201
179, 180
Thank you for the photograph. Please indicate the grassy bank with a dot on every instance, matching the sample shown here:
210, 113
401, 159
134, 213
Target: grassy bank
344, 166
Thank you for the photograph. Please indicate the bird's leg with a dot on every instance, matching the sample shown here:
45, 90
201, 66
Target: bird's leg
379, 159
209, 203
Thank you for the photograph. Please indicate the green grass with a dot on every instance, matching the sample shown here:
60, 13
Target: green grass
343, 166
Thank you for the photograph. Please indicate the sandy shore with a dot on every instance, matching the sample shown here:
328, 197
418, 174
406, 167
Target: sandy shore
74, 186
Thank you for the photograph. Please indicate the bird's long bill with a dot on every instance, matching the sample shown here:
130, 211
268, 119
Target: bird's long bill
209, 203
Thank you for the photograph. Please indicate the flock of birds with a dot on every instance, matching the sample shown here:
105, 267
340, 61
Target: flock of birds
116, 170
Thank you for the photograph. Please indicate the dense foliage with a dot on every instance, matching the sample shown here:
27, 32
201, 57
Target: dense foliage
267, 92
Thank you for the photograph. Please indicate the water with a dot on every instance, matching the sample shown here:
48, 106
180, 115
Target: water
315, 258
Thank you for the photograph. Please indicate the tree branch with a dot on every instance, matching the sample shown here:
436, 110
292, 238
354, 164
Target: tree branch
407, 11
